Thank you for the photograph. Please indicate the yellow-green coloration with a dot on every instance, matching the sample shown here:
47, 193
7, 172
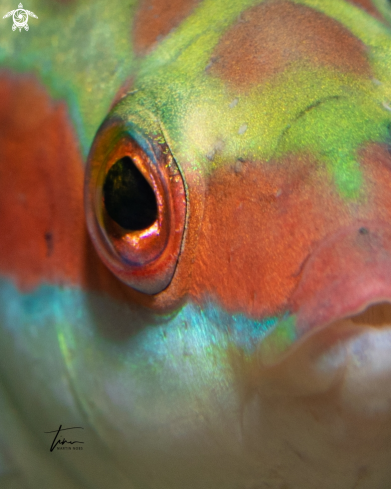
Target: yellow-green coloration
88, 57
278, 341
196, 108
384, 8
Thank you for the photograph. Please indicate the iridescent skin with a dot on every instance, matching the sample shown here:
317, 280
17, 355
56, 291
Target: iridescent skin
186, 389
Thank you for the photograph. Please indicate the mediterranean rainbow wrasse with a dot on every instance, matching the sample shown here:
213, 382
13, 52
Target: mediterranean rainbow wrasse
201, 282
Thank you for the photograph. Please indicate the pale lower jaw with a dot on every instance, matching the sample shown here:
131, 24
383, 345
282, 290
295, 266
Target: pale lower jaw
322, 417
351, 355
365, 385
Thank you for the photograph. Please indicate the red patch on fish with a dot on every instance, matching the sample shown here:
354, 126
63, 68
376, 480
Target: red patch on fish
349, 270
44, 236
40, 186
155, 19
273, 35
261, 225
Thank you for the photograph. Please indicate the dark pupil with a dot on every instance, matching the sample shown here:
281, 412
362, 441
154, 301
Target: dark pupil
128, 197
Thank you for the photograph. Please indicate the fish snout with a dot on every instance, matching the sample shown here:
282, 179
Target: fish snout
342, 310
349, 271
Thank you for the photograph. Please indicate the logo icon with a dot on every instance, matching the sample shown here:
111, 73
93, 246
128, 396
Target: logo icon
20, 17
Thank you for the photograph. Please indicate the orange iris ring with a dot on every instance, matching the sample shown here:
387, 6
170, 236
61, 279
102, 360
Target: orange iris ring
145, 259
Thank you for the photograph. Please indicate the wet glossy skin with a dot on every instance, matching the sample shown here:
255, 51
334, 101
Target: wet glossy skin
223, 357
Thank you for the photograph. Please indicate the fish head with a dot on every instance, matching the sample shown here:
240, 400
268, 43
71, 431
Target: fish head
275, 144
239, 193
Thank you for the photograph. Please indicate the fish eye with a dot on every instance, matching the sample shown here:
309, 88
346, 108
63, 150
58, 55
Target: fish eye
135, 205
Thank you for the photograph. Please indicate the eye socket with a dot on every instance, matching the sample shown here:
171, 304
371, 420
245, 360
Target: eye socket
135, 205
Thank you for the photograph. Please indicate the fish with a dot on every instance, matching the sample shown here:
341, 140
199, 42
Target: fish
195, 244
